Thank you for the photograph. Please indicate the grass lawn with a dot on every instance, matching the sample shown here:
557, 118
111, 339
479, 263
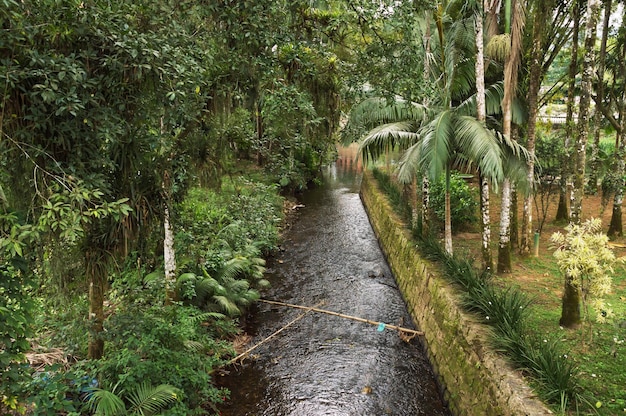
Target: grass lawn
599, 350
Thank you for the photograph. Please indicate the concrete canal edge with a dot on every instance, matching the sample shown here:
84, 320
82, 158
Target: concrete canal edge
475, 379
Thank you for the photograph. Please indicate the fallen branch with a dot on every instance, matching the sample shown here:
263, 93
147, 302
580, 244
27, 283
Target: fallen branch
341, 315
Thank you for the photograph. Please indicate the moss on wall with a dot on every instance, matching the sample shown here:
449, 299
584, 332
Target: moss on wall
476, 381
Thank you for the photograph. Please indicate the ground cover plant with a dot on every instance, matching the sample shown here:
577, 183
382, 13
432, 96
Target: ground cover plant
571, 371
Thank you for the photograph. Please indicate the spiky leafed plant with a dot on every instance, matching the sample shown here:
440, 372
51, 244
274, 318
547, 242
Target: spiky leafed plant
145, 400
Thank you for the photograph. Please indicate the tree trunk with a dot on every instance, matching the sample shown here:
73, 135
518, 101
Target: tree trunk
594, 164
425, 207
583, 112
536, 74
486, 225
481, 115
514, 239
570, 312
169, 256
96, 272
504, 245
515, 28
563, 210
615, 228
448, 216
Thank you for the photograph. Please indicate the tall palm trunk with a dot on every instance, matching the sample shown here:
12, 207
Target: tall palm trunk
481, 115
504, 244
615, 228
536, 73
563, 210
448, 216
515, 27
586, 88
594, 164
570, 312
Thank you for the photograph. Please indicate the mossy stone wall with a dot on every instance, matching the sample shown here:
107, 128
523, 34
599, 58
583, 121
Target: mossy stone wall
476, 381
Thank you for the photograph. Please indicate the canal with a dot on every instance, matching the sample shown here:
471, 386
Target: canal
323, 364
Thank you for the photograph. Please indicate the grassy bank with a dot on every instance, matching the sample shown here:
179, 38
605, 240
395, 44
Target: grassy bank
572, 370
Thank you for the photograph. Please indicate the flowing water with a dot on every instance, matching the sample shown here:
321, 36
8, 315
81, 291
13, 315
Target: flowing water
323, 364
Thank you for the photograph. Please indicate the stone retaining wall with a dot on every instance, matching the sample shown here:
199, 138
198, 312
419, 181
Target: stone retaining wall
476, 381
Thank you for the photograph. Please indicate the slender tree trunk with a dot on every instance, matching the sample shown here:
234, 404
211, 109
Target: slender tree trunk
583, 112
594, 164
96, 273
514, 29
504, 245
563, 210
615, 228
536, 74
514, 218
486, 225
570, 313
169, 256
425, 207
448, 216
481, 115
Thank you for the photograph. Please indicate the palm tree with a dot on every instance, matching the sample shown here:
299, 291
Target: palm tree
444, 135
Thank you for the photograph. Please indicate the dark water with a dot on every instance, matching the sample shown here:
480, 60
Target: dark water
327, 365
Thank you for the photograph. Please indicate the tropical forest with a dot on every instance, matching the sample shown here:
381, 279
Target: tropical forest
155, 156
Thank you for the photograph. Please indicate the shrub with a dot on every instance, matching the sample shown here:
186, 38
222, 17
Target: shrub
172, 345
463, 202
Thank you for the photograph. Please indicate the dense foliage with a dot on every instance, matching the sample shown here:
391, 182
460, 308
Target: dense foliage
110, 114
126, 128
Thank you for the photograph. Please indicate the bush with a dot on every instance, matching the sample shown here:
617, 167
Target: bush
174, 345
463, 202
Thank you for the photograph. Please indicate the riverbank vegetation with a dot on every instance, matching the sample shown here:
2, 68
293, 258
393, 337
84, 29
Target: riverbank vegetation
572, 371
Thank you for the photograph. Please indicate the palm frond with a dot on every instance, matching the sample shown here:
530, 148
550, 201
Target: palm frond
515, 159
374, 111
438, 144
233, 268
385, 138
227, 305
105, 403
236, 285
148, 400
493, 100
205, 288
479, 145
409, 164
194, 346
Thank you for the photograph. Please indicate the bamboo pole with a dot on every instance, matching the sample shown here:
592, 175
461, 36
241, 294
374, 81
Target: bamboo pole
293, 321
341, 315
